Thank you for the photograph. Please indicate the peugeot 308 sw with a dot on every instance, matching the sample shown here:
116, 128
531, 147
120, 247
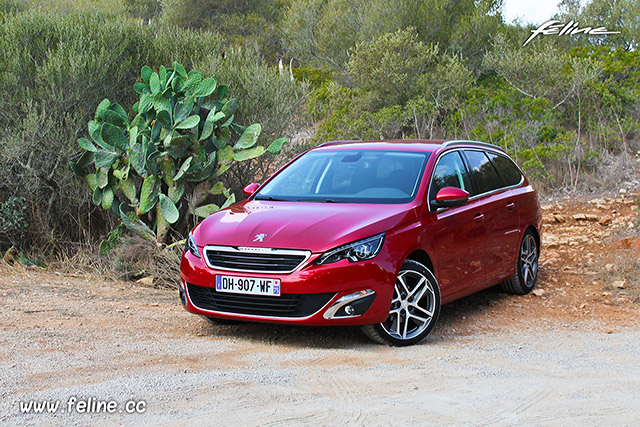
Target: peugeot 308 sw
377, 234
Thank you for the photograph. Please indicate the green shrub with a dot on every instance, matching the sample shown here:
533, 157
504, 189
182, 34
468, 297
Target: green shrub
54, 70
13, 222
267, 96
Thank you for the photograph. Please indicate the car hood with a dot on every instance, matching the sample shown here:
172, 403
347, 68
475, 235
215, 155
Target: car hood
299, 225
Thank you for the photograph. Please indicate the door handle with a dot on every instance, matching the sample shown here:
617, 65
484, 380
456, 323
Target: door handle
510, 205
478, 217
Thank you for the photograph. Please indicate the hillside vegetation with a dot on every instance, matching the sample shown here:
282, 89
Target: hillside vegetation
566, 107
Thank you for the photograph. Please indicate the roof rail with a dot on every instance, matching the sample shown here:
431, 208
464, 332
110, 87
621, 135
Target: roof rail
328, 143
469, 142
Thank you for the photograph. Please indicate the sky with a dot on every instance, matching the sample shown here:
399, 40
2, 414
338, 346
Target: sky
529, 11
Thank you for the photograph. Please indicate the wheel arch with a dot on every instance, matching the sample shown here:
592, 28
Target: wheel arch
421, 256
536, 234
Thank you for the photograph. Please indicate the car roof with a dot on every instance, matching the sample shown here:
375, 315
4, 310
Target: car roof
429, 145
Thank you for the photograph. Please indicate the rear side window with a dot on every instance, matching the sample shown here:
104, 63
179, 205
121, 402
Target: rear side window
485, 177
507, 169
450, 172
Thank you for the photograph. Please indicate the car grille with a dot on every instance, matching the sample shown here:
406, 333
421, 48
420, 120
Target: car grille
263, 260
286, 305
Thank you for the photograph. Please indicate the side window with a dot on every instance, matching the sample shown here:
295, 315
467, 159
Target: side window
507, 169
450, 172
484, 174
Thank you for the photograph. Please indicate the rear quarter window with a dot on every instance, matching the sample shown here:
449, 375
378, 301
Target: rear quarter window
485, 177
507, 169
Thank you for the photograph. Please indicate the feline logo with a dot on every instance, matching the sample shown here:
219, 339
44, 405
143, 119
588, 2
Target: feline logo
260, 237
556, 27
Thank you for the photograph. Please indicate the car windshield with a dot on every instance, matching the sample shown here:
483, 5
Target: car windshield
349, 176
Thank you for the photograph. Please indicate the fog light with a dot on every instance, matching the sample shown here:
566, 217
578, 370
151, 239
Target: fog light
352, 305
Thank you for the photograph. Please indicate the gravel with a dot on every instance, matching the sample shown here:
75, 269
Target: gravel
485, 363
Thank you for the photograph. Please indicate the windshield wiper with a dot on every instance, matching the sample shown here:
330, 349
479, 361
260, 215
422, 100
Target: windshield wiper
272, 199
318, 200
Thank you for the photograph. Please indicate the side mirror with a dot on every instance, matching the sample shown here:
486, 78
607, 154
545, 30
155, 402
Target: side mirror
451, 197
250, 189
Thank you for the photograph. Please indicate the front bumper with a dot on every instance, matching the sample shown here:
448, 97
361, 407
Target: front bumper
319, 290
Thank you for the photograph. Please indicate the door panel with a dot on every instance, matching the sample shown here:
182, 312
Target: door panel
457, 235
460, 244
501, 213
503, 235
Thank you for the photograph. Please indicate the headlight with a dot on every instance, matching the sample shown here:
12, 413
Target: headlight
190, 246
357, 251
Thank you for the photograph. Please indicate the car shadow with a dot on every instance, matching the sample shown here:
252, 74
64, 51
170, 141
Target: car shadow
453, 321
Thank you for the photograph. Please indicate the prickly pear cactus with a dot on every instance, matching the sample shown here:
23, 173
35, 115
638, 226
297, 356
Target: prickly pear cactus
159, 167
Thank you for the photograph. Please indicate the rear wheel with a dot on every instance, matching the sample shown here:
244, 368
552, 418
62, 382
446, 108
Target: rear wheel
524, 279
414, 308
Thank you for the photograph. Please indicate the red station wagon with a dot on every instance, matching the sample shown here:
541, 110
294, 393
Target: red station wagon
377, 234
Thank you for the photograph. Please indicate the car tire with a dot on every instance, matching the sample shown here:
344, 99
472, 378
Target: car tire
218, 321
526, 274
414, 308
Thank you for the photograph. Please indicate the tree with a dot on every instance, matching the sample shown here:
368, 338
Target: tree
391, 65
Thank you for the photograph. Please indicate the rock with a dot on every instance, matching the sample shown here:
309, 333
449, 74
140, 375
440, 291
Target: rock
609, 267
622, 191
631, 243
559, 218
548, 219
583, 305
538, 292
618, 284
580, 217
605, 220
147, 281
592, 217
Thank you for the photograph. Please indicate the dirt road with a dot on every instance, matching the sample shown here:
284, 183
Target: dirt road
568, 355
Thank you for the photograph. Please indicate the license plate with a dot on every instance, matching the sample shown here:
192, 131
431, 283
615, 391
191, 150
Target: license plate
248, 285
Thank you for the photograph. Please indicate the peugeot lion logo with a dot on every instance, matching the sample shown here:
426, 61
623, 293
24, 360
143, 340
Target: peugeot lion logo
260, 237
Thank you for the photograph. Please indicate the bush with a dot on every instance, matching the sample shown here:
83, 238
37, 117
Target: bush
266, 95
13, 222
54, 70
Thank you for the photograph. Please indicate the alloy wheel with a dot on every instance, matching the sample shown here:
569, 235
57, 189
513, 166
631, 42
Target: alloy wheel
529, 261
412, 307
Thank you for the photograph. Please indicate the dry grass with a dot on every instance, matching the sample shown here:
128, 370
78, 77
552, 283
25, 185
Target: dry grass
619, 269
619, 272
135, 258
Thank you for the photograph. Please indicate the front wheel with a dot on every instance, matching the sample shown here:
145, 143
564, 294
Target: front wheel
414, 309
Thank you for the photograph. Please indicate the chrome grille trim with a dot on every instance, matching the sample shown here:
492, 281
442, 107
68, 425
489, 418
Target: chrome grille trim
262, 255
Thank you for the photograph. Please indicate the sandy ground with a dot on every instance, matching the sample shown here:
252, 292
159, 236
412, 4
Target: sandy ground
567, 356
